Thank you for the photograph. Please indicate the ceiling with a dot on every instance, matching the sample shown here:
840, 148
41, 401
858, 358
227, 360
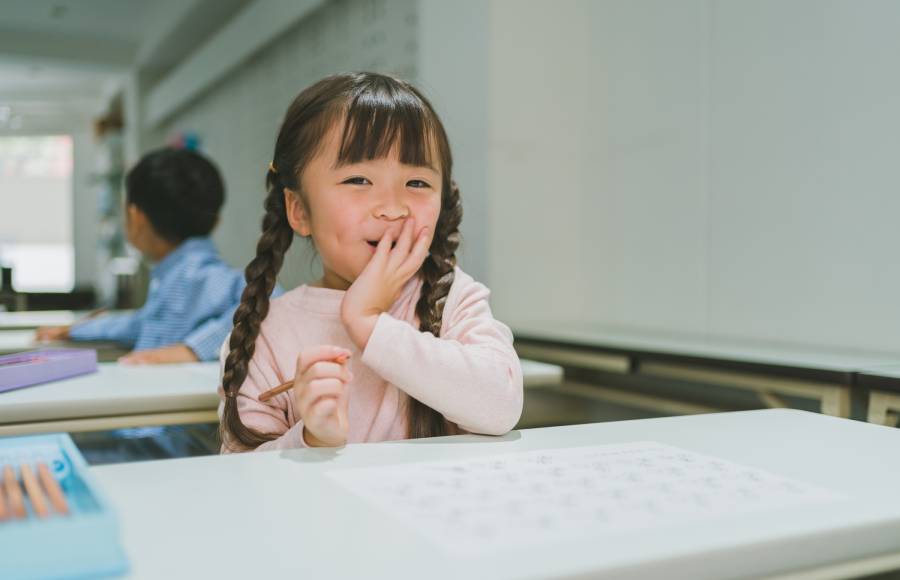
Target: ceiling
65, 58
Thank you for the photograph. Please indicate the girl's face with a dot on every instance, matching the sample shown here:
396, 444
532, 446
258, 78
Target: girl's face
347, 209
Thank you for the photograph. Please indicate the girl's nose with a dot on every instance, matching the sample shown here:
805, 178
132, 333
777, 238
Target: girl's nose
391, 206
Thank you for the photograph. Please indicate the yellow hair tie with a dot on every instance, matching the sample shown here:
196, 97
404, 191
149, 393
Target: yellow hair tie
272, 167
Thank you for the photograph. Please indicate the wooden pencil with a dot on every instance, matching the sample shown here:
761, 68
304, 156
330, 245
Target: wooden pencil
34, 491
266, 395
92, 314
14, 492
4, 513
54, 491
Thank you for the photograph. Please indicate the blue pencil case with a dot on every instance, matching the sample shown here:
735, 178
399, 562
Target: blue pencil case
67, 532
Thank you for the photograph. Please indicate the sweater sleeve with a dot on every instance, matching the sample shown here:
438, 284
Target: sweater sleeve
471, 374
272, 417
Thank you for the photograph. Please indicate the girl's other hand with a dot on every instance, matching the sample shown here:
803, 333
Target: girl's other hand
381, 281
320, 395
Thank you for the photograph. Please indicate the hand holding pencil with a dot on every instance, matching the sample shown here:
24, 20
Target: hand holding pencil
320, 394
54, 333
51, 333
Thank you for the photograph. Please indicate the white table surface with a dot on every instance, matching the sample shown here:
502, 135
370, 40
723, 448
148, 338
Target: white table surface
702, 346
115, 390
35, 318
124, 390
13, 341
277, 514
22, 339
538, 374
17, 340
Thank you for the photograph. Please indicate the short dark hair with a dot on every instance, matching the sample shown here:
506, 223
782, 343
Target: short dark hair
180, 191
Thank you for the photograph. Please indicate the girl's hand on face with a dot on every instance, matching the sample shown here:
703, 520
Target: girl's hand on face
381, 281
320, 395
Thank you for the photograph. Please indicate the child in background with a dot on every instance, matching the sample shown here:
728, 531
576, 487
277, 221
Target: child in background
394, 341
172, 203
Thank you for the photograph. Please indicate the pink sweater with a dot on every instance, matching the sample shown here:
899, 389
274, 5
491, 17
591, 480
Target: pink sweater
471, 374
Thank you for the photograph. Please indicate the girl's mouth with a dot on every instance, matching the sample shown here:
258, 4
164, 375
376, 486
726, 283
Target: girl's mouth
375, 244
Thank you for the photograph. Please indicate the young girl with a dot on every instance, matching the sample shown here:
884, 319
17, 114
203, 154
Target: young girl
394, 341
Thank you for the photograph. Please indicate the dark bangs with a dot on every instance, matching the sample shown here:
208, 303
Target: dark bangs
382, 115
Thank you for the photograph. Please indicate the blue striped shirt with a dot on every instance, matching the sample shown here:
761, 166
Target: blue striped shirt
191, 300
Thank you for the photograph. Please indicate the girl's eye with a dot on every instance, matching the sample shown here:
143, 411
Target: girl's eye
356, 181
418, 184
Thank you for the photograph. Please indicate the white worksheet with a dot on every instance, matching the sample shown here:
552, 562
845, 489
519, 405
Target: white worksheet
551, 495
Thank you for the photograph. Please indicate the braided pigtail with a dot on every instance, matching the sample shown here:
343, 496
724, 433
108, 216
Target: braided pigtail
437, 275
260, 274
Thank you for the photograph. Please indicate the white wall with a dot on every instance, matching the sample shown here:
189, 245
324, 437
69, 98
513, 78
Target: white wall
537, 97
84, 207
453, 72
704, 166
238, 119
805, 133
715, 167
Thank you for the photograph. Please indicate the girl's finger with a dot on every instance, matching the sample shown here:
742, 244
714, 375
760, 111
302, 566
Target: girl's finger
343, 411
312, 410
323, 408
404, 243
328, 425
418, 253
318, 389
383, 249
327, 370
310, 356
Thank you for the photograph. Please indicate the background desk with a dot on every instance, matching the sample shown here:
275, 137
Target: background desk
538, 374
12, 341
883, 387
115, 397
278, 514
16, 341
120, 396
30, 319
770, 370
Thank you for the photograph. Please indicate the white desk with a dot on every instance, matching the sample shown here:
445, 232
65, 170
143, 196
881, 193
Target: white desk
119, 396
274, 514
17, 341
30, 319
883, 386
538, 374
12, 341
769, 369
115, 397
708, 347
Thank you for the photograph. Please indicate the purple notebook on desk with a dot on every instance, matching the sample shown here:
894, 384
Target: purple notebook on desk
34, 367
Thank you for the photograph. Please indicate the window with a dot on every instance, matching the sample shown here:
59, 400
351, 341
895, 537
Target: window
36, 237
